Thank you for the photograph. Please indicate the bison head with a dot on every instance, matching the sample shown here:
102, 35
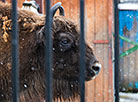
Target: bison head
66, 57
66, 37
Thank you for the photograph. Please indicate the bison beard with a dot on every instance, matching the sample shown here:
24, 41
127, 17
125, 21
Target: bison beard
31, 54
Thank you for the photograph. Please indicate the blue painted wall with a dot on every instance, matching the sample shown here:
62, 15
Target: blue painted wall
127, 20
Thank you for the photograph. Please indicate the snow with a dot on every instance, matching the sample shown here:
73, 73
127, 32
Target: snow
128, 6
128, 97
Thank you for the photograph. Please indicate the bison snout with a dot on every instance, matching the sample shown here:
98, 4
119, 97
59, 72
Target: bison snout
96, 67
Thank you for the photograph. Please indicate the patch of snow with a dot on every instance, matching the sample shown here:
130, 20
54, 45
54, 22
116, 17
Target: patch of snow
128, 6
128, 97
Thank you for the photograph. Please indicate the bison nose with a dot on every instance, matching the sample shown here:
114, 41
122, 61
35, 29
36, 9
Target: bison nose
95, 67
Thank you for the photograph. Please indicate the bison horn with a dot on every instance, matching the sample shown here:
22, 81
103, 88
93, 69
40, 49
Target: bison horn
55, 8
52, 11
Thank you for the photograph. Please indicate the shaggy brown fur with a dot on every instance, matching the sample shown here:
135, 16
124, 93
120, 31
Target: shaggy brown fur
31, 55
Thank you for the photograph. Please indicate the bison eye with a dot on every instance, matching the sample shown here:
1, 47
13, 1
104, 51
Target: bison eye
64, 42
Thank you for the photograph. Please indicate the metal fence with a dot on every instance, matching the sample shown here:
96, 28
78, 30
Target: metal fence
116, 52
48, 51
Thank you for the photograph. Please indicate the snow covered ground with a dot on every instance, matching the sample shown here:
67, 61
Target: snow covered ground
128, 97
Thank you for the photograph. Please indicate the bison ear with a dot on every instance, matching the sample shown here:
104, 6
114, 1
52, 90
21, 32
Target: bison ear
40, 33
40, 36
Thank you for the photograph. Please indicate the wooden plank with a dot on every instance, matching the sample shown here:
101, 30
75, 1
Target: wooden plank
43, 6
105, 74
99, 30
110, 25
132, 70
9, 1
111, 88
125, 69
20, 2
89, 91
99, 24
99, 79
90, 19
74, 10
66, 5
132, 56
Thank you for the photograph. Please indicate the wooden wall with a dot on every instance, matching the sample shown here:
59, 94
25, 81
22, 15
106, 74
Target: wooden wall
128, 23
98, 20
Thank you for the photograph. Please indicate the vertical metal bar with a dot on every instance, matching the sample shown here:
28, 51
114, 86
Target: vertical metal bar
82, 52
15, 53
116, 50
48, 52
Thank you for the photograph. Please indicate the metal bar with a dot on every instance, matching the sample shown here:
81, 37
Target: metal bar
15, 53
3, 0
48, 52
82, 52
116, 55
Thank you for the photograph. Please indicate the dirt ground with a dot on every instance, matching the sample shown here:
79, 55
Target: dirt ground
128, 97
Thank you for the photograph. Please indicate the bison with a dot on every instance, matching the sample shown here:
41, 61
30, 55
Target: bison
65, 36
